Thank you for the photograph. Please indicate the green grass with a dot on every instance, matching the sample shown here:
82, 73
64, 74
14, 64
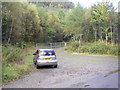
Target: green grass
13, 70
88, 54
93, 49
112, 72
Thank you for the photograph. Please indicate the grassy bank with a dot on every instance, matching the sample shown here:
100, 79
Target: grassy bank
93, 49
16, 62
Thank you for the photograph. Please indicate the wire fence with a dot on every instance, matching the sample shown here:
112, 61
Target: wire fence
50, 45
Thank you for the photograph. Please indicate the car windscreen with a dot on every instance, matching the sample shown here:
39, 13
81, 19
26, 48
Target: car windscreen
47, 53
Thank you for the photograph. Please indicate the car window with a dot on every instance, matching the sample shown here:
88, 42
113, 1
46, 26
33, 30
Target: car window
47, 53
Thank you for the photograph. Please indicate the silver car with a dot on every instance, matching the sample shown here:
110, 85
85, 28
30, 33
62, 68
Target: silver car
43, 57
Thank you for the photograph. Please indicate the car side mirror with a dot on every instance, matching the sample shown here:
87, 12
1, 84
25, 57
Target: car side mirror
34, 53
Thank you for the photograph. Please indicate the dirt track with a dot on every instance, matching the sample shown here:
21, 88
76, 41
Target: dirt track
73, 71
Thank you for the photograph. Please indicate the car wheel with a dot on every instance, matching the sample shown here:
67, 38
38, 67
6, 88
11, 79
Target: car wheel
37, 67
55, 66
35, 63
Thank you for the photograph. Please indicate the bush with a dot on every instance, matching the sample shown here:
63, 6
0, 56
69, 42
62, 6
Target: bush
114, 51
72, 46
94, 48
11, 54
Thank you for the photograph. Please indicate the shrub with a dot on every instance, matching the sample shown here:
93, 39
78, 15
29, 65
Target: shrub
94, 48
11, 54
113, 50
72, 46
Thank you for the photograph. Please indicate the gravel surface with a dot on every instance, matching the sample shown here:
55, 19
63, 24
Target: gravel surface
73, 71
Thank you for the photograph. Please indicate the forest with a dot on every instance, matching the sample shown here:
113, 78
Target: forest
56, 22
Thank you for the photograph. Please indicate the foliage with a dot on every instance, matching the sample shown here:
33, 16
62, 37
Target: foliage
102, 21
30, 22
73, 23
12, 66
94, 48
11, 54
64, 5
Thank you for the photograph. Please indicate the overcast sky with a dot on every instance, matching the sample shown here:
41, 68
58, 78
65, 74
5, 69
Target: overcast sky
89, 3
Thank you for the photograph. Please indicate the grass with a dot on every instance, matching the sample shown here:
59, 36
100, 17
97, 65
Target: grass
88, 54
14, 69
98, 49
112, 72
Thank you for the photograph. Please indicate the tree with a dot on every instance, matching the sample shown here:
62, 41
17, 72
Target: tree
88, 32
73, 23
12, 21
53, 25
103, 20
28, 22
32, 23
113, 24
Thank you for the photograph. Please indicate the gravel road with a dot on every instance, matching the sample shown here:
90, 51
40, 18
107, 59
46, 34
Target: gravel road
73, 71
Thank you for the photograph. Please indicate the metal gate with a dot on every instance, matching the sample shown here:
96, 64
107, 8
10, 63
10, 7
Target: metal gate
50, 45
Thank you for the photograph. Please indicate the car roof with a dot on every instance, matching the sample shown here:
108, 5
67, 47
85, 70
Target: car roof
45, 49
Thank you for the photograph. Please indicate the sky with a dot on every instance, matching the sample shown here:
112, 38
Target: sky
89, 3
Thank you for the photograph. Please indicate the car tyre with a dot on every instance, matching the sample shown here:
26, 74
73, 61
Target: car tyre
34, 63
55, 66
37, 67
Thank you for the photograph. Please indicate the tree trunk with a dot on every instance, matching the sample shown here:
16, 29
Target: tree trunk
9, 38
117, 35
106, 38
100, 33
74, 38
111, 35
80, 39
101, 36
95, 34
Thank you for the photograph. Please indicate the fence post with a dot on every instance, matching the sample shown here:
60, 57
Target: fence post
65, 44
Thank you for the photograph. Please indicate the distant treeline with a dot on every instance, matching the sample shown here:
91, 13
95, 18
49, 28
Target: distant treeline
65, 5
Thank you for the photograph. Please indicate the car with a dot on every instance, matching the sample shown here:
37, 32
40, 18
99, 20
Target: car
45, 57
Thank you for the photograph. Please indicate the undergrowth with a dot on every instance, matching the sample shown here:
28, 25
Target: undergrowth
15, 61
93, 48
